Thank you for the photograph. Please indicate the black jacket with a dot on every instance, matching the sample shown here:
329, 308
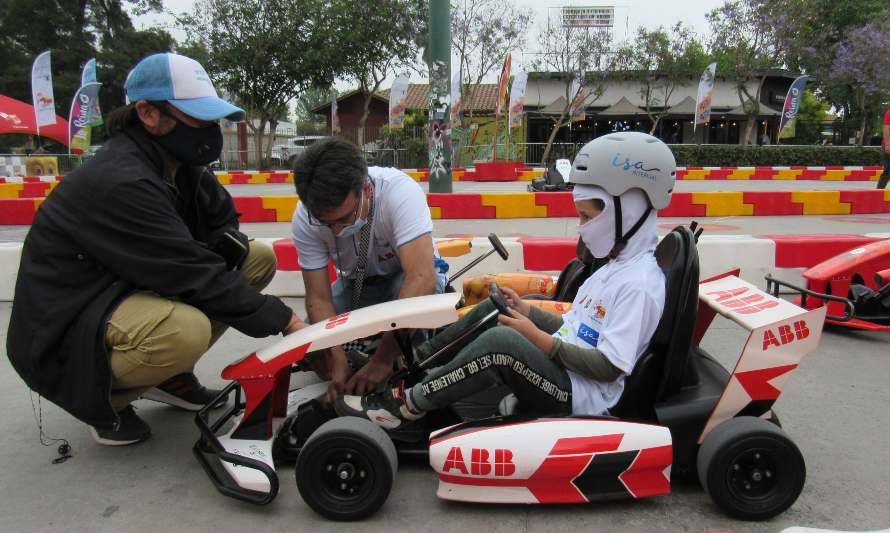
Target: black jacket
110, 228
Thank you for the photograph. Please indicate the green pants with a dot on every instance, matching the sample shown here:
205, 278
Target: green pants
152, 339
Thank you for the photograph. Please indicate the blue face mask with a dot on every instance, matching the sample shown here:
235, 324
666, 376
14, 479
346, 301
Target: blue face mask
353, 229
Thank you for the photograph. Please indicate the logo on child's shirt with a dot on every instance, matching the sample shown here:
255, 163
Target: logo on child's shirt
600, 312
588, 335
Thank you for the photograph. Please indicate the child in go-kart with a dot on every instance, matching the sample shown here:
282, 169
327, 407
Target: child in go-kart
575, 363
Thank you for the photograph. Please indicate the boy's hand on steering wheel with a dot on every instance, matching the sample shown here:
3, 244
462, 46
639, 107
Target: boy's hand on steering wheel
515, 301
520, 323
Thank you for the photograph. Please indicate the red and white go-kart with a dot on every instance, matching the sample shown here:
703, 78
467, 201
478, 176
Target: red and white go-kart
681, 413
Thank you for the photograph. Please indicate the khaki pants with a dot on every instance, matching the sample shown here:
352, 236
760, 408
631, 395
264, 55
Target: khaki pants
153, 339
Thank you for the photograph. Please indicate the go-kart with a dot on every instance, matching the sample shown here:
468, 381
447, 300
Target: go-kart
854, 285
681, 413
556, 178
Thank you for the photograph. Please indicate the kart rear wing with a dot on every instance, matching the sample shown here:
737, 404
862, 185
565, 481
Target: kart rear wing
780, 335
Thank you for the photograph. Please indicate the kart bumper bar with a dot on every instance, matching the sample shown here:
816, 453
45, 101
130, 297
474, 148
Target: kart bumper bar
773, 285
210, 453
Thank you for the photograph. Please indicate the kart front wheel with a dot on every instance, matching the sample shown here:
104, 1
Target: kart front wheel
750, 468
346, 469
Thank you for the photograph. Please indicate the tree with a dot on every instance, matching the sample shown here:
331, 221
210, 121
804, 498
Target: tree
482, 33
660, 61
308, 100
579, 56
381, 41
266, 52
746, 44
811, 31
861, 61
68, 28
810, 116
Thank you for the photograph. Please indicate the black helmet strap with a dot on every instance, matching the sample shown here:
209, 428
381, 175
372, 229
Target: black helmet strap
621, 240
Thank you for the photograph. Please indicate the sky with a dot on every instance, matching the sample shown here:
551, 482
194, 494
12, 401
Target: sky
629, 14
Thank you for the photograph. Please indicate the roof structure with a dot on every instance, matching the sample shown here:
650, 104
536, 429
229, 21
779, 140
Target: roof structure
622, 108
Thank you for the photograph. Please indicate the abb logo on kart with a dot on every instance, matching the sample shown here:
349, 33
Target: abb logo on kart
335, 321
784, 335
745, 305
480, 463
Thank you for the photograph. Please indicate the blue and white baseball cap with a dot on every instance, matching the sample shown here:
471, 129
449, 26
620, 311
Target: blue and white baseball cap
183, 83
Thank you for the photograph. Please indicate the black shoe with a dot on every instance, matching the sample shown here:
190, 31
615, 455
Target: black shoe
130, 430
386, 408
184, 391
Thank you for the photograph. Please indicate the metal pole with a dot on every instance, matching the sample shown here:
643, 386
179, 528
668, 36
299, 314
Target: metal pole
439, 54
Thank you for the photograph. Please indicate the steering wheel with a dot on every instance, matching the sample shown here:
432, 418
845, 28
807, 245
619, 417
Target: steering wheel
497, 298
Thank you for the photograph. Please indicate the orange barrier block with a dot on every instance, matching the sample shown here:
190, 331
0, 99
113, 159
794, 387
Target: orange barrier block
457, 174
835, 175
788, 174
740, 173
284, 206
475, 288
11, 190
723, 204
224, 178
696, 174
260, 178
557, 308
821, 202
435, 212
418, 176
514, 205
454, 247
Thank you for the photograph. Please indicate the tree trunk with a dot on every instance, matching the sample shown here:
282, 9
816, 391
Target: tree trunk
258, 139
556, 126
273, 125
366, 110
655, 122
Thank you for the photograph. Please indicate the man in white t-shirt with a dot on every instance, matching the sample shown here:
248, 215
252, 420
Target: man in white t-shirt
350, 214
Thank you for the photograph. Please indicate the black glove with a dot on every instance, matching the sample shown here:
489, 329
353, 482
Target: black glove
233, 247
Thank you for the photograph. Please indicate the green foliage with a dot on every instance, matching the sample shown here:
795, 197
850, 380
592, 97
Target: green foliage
714, 155
69, 28
812, 111
413, 150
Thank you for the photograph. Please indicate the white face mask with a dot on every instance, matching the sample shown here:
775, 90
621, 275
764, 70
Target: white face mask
598, 234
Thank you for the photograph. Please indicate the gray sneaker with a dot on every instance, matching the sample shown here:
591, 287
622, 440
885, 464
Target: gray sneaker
130, 430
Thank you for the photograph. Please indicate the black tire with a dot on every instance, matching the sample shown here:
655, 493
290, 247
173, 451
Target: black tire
750, 468
346, 469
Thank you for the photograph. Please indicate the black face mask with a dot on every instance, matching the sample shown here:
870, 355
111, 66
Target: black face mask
193, 146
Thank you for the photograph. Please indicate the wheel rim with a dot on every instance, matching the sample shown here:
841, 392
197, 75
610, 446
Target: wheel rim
346, 475
753, 475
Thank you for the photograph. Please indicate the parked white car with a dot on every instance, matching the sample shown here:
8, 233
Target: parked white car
286, 154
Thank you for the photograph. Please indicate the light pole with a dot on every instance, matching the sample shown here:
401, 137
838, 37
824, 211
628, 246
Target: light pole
439, 54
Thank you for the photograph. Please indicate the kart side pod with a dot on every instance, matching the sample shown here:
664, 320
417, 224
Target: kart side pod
564, 460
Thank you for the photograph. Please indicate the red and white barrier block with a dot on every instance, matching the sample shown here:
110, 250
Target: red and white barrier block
783, 256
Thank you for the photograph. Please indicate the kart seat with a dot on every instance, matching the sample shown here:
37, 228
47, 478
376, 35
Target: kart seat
666, 366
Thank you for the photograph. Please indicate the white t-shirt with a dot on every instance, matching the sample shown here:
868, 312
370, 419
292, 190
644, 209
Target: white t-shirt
401, 215
615, 311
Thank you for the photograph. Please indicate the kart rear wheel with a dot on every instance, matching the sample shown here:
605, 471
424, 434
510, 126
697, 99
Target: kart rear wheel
346, 469
750, 468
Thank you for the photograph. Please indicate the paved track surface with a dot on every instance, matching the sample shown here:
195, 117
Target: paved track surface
834, 407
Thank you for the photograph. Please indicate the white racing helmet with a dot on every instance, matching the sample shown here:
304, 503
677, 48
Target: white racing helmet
618, 162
